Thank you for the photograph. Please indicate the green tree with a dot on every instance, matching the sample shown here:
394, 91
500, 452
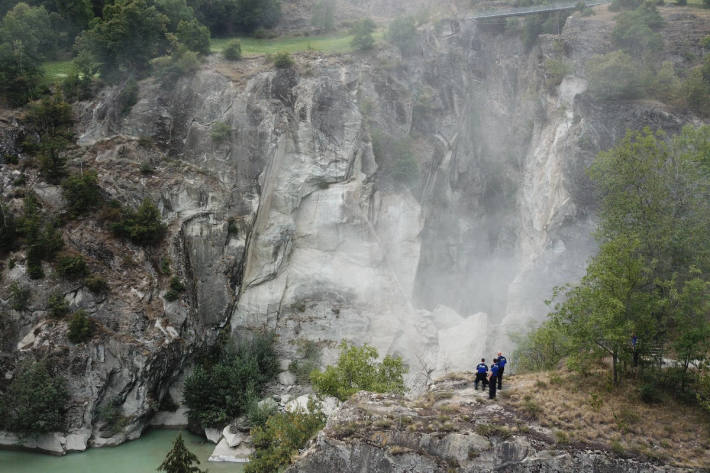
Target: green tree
35, 401
228, 17
357, 369
179, 459
82, 192
284, 433
221, 389
129, 35
654, 232
402, 32
20, 74
142, 226
51, 119
194, 35
31, 27
362, 34
81, 328
637, 31
615, 75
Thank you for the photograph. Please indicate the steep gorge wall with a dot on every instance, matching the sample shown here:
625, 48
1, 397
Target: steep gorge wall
291, 224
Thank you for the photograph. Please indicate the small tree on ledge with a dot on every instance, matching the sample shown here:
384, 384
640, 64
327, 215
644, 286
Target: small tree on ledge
180, 459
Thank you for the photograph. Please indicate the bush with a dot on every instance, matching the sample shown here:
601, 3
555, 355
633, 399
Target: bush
82, 192
96, 284
72, 267
636, 31
402, 32
176, 288
694, 92
194, 35
283, 60
43, 241
233, 51
649, 393
362, 32
19, 297
222, 386
180, 63
281, 437
51, 120
615, 75
555, 71
142, 226
81, 328
128, 96
309, 354
357, 369
57, 306
259, 414
220, 132
35, 401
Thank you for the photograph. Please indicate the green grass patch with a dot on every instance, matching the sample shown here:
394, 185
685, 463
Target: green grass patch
56, 69
332, 43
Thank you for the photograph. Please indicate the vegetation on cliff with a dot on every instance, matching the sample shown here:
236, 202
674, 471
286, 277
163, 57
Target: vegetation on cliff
650, 277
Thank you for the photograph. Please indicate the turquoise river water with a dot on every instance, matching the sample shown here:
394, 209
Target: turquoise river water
139, 456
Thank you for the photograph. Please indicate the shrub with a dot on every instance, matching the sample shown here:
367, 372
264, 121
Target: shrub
180, 63
636, 31
176, 288
222, 385
233, 51
112, 416
51, 119
649, 393
555, 71
57, 306
309, 354
19, 297
259, 414
128, 96
81, 328
362, 32
194, 35
82, 192
220, 132
35, 401
281, 437
615, 75
283, 60
96, 284
357, 369
694, 92
402, 32
72, 267
142, 226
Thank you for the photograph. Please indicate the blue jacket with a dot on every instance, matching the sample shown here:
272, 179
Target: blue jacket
494, 369
502, 361
482, 368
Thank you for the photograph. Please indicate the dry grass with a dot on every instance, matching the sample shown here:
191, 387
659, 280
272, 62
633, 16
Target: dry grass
589, 411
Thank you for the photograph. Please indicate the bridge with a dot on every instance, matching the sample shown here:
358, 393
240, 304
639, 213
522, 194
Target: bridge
533, 10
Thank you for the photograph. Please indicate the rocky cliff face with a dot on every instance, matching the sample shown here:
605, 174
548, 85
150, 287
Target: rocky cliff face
295, 221
452, 428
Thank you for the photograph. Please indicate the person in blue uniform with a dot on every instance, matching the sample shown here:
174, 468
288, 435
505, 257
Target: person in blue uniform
482, 374
492, 379
501, 368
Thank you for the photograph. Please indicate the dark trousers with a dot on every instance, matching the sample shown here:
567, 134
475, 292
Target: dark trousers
481, 377
500, 377
492, 388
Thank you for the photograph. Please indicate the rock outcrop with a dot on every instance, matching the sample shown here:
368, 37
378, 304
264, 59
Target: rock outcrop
450, 428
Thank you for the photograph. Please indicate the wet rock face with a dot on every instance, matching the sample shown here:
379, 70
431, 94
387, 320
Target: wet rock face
450, 428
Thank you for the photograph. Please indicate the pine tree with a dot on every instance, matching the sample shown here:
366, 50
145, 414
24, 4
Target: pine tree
180, 459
